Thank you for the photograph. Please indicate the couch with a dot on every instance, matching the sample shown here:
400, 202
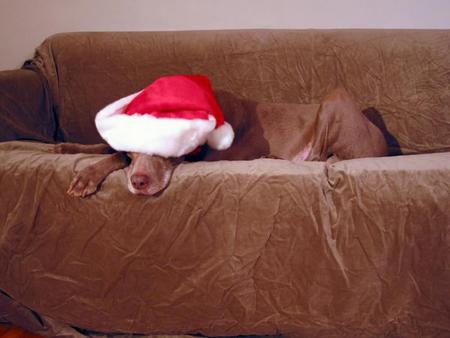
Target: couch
359, 248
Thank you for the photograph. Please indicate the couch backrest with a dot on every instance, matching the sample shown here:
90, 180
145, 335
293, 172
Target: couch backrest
404, 74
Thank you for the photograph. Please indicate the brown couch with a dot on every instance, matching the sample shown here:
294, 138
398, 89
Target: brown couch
360, 248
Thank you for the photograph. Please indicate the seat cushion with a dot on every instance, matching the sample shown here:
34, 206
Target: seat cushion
243, 247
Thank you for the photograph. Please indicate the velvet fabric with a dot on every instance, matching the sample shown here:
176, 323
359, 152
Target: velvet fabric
264, 247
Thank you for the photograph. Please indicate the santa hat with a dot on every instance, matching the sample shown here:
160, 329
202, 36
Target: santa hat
171, 117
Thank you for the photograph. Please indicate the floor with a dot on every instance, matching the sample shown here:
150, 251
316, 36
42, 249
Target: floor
8, 331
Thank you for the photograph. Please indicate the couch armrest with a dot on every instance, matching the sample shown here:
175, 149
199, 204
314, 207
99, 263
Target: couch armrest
25, 109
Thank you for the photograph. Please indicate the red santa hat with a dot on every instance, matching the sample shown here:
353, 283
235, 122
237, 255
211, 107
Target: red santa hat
170, 118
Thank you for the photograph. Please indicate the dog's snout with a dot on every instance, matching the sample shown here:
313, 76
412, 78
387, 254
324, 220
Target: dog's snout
140, 181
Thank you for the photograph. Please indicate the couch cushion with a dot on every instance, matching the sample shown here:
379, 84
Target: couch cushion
391, 220
402, 73
256, 247
188, 255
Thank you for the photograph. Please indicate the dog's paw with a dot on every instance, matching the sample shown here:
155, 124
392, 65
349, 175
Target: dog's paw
83, 184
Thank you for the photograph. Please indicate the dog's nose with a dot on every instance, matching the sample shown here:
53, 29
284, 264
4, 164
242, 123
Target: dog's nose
139, 181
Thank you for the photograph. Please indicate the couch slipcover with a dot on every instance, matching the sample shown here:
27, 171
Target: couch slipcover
265, 247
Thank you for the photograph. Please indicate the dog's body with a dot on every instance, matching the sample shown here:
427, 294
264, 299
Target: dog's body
339, 132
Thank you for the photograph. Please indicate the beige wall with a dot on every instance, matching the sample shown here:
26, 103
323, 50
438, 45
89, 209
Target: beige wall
25, 23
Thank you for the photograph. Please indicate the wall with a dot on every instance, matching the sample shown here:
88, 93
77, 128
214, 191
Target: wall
24, 24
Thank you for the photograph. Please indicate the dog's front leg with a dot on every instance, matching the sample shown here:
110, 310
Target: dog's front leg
76, 148
87, 181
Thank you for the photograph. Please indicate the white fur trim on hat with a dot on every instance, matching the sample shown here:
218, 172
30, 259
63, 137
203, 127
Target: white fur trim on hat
167, 137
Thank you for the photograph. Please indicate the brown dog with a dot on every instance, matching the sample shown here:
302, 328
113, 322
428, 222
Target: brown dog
339, 132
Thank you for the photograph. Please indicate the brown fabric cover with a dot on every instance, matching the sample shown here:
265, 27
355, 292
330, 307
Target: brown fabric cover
359, 248
403, 74
25, 109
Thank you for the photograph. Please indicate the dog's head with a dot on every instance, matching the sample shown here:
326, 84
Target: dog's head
149, 174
